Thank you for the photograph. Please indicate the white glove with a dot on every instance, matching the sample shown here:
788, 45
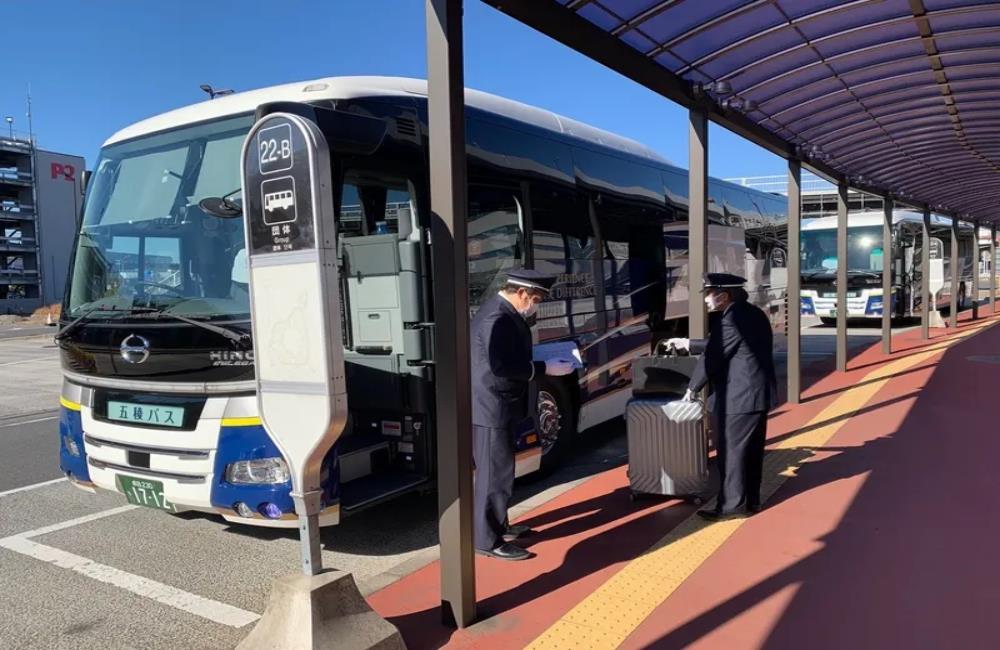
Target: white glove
558, 367
679, 344
689, 395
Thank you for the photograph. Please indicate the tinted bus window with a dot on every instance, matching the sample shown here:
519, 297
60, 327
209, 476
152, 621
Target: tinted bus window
563, 245
495, 240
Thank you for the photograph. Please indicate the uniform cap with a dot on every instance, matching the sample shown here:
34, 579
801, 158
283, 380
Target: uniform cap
532, 280
722, 281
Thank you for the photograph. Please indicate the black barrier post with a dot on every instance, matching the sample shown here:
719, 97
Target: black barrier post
925, 276
888, 205
953, 317
794, 300
446, 121
697, 220
842, 275
993, 268
975, 273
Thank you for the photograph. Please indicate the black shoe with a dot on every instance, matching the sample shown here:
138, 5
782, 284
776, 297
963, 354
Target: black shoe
506, 552
715, 515
752, 510
516, 531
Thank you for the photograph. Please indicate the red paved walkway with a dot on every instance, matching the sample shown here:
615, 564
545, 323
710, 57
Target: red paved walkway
882, 538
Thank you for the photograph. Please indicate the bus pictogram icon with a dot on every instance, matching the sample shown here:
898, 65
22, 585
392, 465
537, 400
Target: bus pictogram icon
278, 200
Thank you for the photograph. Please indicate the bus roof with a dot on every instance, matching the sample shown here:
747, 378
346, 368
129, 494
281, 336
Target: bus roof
861, 219
332, 88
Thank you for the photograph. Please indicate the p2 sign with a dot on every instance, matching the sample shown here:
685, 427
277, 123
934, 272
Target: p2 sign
60, 170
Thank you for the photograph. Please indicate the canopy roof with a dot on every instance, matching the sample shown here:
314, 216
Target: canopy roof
897, 96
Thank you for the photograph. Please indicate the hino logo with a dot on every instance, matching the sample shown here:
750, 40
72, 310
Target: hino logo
231, 358
135, 349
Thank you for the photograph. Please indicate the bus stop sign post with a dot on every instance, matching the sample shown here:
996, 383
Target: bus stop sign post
299, 361
291, 242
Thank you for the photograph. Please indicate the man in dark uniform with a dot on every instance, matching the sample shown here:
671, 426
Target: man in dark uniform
736, 361
502, 367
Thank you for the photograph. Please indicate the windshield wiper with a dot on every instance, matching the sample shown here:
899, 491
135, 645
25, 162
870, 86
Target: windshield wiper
241, 339
76, 322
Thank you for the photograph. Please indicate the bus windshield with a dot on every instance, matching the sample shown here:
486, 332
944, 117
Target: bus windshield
864, 249
145, 242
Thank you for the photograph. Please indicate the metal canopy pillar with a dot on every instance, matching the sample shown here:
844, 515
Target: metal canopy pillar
446, 122
887, 262
842, 275
794, 301
925, 276
993, 267
953, 316
975, 273
697, 221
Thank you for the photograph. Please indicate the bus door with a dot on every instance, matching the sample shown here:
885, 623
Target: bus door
386, 447
901, 249
632, 293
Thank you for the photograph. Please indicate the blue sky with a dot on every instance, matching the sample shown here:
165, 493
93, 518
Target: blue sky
97, 66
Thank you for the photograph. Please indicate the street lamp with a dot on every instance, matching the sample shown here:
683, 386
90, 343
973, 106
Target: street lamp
213, 93
10, 125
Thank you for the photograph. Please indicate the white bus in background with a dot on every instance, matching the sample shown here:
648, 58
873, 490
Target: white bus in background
866, 257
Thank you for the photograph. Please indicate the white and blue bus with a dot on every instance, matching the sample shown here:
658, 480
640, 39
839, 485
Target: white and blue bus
158, 395
866, 256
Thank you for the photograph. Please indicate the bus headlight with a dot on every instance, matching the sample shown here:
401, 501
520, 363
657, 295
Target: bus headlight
258, 471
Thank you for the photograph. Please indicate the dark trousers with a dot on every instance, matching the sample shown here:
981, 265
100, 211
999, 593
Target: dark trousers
740, 441
493, 451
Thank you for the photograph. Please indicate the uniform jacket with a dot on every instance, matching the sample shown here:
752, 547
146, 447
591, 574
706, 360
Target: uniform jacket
736, 361
502, 365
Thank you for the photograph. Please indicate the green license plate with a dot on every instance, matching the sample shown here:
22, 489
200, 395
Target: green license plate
163, 416
144, 492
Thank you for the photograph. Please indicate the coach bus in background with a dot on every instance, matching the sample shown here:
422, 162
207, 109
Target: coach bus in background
158, 395
866, 256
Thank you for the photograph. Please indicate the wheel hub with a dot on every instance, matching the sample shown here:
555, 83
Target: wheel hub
549, 420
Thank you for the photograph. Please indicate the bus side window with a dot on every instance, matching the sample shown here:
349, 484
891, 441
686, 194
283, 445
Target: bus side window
563, 245
495, 240
373, 205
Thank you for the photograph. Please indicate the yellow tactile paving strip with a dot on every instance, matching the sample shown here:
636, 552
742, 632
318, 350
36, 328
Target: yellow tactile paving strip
605, 618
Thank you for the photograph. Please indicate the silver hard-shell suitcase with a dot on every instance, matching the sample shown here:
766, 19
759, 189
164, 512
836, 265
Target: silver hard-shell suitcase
667, 447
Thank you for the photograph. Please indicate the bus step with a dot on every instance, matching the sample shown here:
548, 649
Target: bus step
369, 490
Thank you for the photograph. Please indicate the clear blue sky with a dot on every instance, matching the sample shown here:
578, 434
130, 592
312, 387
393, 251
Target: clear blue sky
97, 66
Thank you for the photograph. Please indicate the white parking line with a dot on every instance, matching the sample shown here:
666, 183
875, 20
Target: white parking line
62, 525
33, 486
14, 363
206, 608
17, 424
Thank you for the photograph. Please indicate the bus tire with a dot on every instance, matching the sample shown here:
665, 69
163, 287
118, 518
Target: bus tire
556, 420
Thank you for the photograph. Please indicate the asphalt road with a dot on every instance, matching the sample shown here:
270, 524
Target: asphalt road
22, 331
29, 449
81, 569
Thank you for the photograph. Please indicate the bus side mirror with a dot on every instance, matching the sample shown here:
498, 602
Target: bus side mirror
85, 180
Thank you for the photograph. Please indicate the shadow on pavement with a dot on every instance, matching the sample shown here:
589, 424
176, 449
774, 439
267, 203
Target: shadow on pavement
906, 566
409, 522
